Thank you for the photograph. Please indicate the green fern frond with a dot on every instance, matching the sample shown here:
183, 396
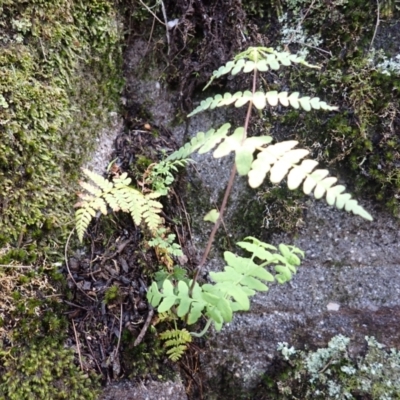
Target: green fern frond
260, 59
281, 160
261, 99
118, 196
104, 184
176, 341
210, 138
242, 278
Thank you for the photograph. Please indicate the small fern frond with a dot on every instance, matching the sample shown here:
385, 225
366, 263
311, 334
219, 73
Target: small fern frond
260, 59
261, 99
176, 341
242, 277
98, 180
118, 196
281, 160
210, 138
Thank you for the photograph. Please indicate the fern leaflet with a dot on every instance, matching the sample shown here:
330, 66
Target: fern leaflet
176, 341
117, 195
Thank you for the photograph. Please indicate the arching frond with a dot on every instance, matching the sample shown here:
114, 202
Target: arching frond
117, 195
282, 160
261, 99
260, 59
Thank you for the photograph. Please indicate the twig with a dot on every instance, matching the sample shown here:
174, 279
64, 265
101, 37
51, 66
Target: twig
94, 358
144, 328
166, 25
77, 345
75, 305
120, 332
376, 25
15, 266
151, 34
69, 271
151, 12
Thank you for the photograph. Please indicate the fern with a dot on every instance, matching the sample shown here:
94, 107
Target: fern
174, 294
280, 159
242, 278
260, 100
117, 195
259, 59
176, 341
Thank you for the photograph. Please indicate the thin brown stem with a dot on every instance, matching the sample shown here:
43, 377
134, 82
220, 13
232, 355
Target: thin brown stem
77, 345
226, 195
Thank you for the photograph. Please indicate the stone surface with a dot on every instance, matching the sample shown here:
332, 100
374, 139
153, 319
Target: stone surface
350, 262
149, 391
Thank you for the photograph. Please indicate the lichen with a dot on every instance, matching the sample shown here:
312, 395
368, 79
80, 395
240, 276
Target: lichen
332, 373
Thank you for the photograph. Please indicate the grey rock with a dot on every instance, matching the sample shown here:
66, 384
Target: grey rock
149, 391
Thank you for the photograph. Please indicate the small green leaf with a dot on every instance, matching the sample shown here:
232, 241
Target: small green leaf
246, 97
240, 264
238, 67
214, 314
215, 138
168, 288
294, 100
333, 192
259, 100
284, 274
243, 160
212, 216
272, 98
231, 143
262, 273
184, 306
210, 298
228, 275
279, 171
167, 303
195, 312
262, 65
305, 103
257, 250
239, 295
295, 178
313, 179
253, 283
224, 307
249, 66
153, 295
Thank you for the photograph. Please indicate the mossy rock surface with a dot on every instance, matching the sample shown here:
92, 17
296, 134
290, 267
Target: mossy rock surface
59, 78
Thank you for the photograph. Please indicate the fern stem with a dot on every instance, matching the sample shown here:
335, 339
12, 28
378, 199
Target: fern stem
204, 331
226, 195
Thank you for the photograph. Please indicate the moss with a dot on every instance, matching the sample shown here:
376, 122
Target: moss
59, 76
142, 163
111, 294
247, 217
44, 370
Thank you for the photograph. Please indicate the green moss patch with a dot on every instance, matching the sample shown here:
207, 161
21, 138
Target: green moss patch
59, 77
